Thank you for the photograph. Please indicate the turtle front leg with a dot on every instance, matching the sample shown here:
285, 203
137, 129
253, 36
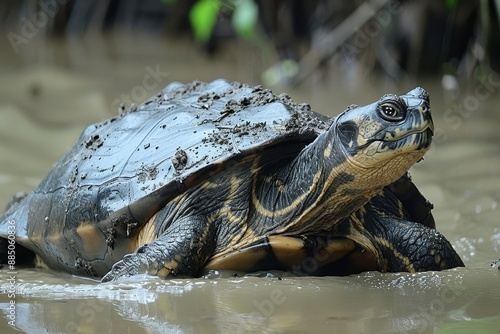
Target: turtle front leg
182, 249
407, 246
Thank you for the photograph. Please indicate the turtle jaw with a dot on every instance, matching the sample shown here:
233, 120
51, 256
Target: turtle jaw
412, 134
412, 142
416, 134
390, 159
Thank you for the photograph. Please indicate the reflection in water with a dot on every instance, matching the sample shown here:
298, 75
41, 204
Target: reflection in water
460, 176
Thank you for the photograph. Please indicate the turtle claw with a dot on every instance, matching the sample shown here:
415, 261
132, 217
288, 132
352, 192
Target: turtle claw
130, 265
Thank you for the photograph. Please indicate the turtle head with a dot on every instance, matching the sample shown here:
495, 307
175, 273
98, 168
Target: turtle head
389, 135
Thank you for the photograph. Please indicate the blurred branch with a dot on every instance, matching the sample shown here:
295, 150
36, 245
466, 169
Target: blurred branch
334, 39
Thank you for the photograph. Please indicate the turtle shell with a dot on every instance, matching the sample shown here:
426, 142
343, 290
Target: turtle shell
123, 170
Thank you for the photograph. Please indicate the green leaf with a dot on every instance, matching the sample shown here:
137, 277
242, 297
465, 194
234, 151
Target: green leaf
245, 18
203, 17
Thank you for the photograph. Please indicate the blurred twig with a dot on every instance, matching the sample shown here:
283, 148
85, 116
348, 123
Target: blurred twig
334, 39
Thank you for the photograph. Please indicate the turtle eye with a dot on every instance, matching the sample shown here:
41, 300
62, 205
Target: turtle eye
391, 112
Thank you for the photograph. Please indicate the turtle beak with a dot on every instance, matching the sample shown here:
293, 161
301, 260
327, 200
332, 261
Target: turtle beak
418, 93
420, 97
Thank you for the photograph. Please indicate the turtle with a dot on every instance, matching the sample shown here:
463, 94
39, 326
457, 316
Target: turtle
228, 176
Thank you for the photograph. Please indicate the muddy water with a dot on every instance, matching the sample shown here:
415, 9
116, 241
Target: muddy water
43, 109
